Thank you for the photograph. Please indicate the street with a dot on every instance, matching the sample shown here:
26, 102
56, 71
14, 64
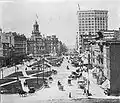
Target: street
53, 94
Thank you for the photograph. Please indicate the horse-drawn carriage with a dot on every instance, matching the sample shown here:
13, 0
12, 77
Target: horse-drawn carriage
81, 84
22, 92
50, 79
46, 85
67, 67
60, 86
54, 71
69, 81
31, 90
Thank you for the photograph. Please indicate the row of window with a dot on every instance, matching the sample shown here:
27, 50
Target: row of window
89, 32
92, 27
20, 45
93, 18
100, 21
85, 15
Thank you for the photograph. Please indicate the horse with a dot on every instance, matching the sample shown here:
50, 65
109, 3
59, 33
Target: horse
31, 90
25, 83
59, 83
22, 93
50, 78
61, 87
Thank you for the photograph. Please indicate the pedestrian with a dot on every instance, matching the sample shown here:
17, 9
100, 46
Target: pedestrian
70, 96
25, 68
69, 81
67, 67
84, 92
59, 83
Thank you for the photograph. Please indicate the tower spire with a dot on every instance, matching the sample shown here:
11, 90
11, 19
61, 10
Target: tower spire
36, 17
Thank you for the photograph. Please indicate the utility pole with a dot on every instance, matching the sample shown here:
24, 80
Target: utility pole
43, 69
80, 35
37, 73
88, 70
2, 72
1, 68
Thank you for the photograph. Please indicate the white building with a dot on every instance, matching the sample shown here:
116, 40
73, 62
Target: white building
91, 21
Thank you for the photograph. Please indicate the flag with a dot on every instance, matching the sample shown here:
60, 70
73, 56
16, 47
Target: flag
36, 16
79, 6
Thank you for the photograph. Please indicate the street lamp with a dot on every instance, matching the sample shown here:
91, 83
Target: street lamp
2, 72
38, 71
16, 69
37, 75
43, 68
88, 73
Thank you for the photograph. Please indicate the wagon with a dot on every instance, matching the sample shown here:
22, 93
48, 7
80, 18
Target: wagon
60, 87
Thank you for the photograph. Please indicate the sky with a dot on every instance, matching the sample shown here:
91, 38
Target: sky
58, 17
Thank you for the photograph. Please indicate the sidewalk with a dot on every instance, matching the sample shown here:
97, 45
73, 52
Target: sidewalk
94, 88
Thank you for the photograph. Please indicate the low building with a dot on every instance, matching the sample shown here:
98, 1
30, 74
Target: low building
110, 34
48, 43
54, 44
30, 46
112, 65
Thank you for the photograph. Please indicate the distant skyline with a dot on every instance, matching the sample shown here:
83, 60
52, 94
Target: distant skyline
57, 17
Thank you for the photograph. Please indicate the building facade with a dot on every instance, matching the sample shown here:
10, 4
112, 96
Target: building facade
52, 45
110, 34
39, 45
19, 44
12, 46
30, 46
90, 22
111, 65
6, 42
36, 44
48, 44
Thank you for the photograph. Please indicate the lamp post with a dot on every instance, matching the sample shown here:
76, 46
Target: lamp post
38, 72
43, 68
89, 66
16, 71
1, 68
88, 72
37, 77
2, 72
